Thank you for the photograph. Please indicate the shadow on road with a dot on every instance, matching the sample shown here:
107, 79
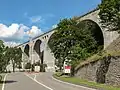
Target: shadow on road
8, 81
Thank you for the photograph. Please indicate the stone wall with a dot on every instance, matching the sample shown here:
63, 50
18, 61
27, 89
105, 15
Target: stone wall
114, 46
113, 74
88, 71
106, 71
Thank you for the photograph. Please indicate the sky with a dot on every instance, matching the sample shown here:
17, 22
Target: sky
22, 19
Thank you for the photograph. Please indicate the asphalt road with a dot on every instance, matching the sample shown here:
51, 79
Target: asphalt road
37, 81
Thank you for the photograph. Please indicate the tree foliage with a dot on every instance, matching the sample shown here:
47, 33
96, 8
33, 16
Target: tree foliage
8, 54
15, 56
110, 14
3, 60
73, 41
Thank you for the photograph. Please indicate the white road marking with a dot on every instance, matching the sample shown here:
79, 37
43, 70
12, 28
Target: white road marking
72, 84
38, 82
35, 75
3, 86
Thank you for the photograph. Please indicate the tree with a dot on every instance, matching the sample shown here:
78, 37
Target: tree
73, 41
18, 57
9, 54
14, 55
110, 14
3, 60
61, 41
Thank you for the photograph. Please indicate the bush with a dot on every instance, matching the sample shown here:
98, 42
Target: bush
28, 66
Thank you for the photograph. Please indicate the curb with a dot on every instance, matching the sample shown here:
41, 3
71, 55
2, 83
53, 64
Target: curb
72, 84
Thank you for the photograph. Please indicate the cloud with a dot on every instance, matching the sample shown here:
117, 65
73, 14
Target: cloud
17, 33
34, 31
12, 32
36, 19
8, 31
11, 44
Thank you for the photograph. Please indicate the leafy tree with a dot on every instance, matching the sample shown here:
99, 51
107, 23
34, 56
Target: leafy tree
61, 41
18, 57
73, 41
14, 55
110, 14
3, 60
9, 54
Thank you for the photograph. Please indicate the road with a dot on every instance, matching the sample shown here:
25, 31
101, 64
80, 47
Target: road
37, 81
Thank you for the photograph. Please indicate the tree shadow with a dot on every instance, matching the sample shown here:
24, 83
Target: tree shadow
7, 81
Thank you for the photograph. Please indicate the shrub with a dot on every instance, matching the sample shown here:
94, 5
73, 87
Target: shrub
28, 66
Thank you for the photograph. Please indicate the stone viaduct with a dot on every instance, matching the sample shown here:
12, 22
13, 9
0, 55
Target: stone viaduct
37, 49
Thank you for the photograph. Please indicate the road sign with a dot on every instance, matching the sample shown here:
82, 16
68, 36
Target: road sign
67, 69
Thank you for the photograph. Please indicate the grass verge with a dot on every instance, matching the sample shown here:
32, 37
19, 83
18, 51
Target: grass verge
86, 83
1, 82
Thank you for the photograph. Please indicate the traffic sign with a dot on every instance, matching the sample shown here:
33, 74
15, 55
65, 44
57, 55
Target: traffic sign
67, 69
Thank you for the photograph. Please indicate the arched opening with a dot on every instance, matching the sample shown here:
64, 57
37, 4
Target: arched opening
40, 53
26, 50
96, 31
37, 46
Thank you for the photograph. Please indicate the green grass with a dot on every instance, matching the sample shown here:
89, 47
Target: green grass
98, 56
1, 81
86, 83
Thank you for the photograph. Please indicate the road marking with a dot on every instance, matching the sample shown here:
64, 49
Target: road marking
72, 84
34, 79
35, 75
3, 86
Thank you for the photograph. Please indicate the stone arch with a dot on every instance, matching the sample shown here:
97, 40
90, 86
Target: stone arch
37, 46
109, 36
27, 49
49, 36
98, 33
37, 49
